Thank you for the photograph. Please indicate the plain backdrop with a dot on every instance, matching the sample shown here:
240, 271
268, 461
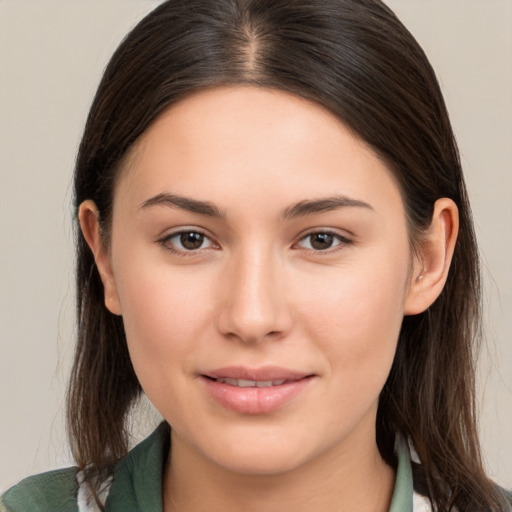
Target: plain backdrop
52, 54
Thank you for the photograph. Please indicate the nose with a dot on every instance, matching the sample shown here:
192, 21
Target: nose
253, 306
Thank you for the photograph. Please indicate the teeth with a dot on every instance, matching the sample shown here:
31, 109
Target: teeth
268, 383
245, 383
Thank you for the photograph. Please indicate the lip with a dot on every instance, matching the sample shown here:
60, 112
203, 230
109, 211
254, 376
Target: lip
255, 400
263, 373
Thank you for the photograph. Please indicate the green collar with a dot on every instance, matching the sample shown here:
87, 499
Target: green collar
402, 495
137, 483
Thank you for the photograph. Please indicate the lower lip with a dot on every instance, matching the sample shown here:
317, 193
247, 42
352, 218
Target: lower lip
255, 400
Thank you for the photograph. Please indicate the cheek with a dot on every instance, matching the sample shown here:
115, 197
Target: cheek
356, 300
356, 321
163, 310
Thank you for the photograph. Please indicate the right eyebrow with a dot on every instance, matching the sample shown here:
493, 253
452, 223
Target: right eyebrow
184, 203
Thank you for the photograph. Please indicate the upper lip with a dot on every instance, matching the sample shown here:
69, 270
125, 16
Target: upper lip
265, 373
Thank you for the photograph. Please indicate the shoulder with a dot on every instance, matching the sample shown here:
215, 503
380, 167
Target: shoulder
53, 491
136, 482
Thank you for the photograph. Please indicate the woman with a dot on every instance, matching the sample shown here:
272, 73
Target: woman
276, 246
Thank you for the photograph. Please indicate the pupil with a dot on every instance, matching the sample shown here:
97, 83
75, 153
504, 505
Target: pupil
321, 241
192, 240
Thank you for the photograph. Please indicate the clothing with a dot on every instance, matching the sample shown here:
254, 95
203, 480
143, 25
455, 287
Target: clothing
137, 484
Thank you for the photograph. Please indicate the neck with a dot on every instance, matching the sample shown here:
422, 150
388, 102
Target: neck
351, 478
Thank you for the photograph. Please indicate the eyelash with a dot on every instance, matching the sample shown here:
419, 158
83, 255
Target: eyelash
341, 241
166, 242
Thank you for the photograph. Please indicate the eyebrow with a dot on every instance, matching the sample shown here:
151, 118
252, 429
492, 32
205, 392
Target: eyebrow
184, 203
310, 207
300, 209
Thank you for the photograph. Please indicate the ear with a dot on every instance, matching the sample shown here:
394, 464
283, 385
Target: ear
89, 223
432, 263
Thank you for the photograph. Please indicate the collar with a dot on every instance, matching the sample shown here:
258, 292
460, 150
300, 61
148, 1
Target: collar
402, 500
137, 482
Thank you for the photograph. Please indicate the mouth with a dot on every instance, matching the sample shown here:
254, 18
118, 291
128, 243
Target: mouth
255, 391
246, 383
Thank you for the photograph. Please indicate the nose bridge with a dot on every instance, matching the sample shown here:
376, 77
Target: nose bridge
254, 305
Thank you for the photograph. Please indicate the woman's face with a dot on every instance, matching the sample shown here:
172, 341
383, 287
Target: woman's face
260, 260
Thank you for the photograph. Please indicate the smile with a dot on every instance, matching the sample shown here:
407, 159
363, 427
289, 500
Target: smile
245, 383
255, 391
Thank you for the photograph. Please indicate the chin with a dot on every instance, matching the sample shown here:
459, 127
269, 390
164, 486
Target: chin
263, 463
260, 454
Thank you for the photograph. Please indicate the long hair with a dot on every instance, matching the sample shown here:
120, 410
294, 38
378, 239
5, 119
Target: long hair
356, 59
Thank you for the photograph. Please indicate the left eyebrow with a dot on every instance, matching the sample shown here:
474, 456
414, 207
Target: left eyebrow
310, 207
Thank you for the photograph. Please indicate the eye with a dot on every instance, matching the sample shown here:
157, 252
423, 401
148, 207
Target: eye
187, 241
322, 241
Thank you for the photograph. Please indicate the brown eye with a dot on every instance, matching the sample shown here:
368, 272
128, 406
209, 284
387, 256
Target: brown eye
322, 241
191, 240
187, 241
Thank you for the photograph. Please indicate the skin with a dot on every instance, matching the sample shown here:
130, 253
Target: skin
257, 293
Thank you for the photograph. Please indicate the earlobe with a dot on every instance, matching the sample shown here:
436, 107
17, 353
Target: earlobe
432, 263
89, 223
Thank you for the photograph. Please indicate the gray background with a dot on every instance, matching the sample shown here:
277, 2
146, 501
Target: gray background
51, 57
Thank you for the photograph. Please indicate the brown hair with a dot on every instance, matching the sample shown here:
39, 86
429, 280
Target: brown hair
355, 58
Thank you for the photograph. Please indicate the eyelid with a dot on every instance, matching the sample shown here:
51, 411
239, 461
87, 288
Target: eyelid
164, 240
342, 239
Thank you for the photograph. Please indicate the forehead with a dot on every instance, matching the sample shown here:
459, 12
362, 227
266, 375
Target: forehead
251, 140
222, 116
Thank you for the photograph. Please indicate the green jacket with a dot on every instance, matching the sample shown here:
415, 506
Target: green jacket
137, 484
